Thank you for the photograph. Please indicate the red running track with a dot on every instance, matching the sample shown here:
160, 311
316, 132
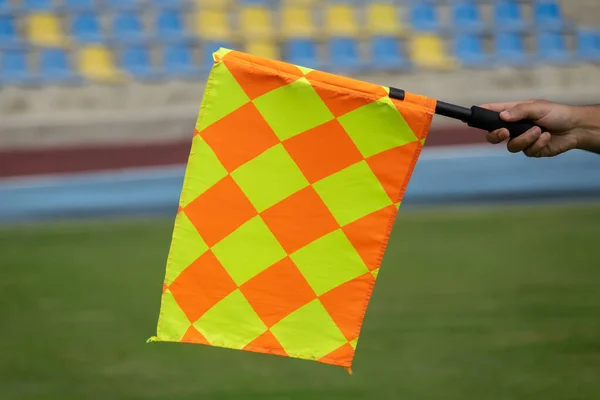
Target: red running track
14, 163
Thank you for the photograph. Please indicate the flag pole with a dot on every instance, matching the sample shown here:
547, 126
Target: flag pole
475, 117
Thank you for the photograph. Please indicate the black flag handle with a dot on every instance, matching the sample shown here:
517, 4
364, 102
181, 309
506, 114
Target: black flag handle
475, 117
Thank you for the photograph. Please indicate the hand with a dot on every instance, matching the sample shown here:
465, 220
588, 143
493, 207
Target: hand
560, 124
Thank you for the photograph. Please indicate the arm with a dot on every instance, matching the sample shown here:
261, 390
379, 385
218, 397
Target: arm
566, 127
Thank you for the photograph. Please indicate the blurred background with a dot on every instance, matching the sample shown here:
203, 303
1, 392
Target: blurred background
490, 287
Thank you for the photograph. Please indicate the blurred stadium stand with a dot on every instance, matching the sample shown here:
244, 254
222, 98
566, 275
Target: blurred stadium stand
335, 34
131, 41
85, 73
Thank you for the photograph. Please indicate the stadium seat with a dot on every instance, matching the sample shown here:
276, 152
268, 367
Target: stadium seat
510, 49
44, 29
588, 44
387, 54
551, 47
123, 4
423, 17
427, 50
297, 22
384, 19
255, 21
211, 46
263, 48
468, 49
213, 4
508, 17
169, 25
8, 32
55, 67
172, 4
467, 17
178, 61
14, 67
80, 5
340, 20
127, 26
95, 62
85, 28
547, 14
344, 54
37, 5
302, 52
212, 24
135, 60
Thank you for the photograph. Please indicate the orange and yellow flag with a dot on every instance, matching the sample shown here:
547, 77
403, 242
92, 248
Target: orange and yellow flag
292, 186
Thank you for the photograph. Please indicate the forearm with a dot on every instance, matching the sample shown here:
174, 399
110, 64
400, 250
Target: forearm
588, 128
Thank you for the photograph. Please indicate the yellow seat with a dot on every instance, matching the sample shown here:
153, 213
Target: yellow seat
96, 62
428, 50
44, 29
263, 48
213, 4
256, 21
340, 20
212, 24
300, 2
384, 19
297, 21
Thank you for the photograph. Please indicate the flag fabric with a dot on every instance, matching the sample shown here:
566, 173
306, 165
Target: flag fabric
292, 185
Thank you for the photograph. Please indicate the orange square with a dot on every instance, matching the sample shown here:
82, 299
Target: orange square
239, 137
323, 150
201, 285
277, 291
219, 211
299, 219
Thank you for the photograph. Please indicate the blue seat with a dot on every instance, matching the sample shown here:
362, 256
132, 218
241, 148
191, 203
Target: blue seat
510, 49
423, 17
127, 27
169, 25
178, 61
344, 54
551, 47
208, 48
547, 14
469, 50
86, 28
303, 52
123, 4
467, 17
588, 44
136, 61
173, 4
508, 17
14, 68
37, 5
80, 5
8, 32
55, 67
387, 54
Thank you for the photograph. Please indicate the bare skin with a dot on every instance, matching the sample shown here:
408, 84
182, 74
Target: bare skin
565, 127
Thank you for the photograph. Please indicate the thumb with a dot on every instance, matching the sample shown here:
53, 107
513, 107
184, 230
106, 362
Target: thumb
532, 111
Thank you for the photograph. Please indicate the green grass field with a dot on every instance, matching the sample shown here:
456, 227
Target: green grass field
479, 304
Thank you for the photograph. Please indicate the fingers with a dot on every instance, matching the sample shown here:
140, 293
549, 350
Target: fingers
497, 136
536, 149
525, 140
526, 110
